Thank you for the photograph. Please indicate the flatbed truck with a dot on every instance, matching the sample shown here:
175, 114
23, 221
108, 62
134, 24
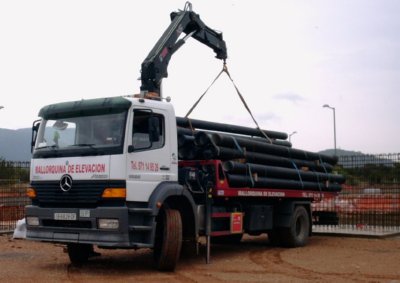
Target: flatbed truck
107, 172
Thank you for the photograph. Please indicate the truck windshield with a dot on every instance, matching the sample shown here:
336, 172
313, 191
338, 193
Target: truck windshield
81, 135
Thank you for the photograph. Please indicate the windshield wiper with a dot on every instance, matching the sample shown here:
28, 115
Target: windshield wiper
84, 144
91, 146
53, 147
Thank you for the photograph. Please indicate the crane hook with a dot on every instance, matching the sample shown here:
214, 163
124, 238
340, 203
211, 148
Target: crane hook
188, 6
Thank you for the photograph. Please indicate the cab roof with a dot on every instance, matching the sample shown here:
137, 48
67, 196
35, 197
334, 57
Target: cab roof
92, 106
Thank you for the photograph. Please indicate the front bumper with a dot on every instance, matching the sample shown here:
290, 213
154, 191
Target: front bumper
84, 229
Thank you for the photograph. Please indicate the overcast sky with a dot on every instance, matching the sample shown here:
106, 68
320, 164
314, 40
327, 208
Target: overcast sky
288, 58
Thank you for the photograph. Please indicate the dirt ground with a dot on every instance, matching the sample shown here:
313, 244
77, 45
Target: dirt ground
324, 259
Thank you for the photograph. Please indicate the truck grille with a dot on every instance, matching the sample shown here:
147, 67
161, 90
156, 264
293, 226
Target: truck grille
82, 193
65, 223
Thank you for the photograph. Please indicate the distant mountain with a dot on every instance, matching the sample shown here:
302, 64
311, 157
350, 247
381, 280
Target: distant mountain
15, 144
341, 152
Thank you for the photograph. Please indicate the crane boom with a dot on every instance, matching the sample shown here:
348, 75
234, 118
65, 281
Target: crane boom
154, 67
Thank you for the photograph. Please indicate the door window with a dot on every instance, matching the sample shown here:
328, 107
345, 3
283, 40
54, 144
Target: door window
148, 130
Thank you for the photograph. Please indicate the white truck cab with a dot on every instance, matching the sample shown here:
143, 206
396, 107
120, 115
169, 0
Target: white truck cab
121, 138
100, 170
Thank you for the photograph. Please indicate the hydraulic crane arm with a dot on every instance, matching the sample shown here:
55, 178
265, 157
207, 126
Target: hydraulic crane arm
154, 67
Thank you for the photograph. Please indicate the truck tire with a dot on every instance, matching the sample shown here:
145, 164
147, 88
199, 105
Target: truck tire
79, 253
168, 241
297, 234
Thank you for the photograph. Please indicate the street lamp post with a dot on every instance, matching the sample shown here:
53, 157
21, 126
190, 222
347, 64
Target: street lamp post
290, 136
334, 123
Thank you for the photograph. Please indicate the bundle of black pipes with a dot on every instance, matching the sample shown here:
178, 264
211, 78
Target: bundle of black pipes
227, 128
257, 175
251, 160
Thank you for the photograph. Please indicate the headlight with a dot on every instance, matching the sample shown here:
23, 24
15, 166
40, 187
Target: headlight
104, 223
32, 221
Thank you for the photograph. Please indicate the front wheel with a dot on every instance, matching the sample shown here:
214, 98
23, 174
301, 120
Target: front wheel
297, 234
168, 242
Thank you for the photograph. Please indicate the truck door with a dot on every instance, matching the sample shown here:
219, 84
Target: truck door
149, 154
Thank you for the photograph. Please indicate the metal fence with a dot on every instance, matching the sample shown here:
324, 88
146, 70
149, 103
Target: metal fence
369, 202
14, 179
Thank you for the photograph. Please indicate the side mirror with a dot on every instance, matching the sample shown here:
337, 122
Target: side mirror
35, 129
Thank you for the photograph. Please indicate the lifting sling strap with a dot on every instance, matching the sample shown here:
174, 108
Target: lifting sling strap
225, 70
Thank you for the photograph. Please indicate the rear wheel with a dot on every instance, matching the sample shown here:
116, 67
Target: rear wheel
168, 240
79, 253
297, 234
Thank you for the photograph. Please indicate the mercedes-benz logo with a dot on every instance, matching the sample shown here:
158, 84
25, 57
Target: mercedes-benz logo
66, 183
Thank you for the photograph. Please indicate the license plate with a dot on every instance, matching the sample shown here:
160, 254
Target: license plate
64, 216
